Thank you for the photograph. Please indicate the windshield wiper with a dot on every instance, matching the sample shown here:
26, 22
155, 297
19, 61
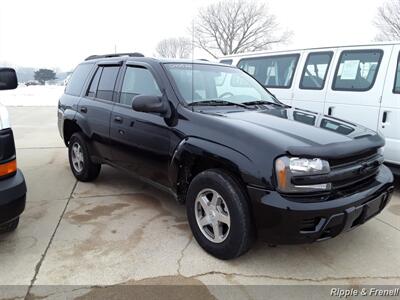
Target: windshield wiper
217, 102
261, 102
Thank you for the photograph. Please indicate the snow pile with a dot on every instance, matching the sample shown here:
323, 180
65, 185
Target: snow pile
40, 95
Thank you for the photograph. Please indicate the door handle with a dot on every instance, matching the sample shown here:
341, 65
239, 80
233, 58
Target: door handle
118, 119
84, 109
330, 110
384, 116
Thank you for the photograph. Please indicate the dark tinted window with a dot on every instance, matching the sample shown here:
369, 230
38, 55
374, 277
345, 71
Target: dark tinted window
271, 71
138, 81
315, 70
226, 61
396, 88
106, 86
357, 70
95, 82
77, 80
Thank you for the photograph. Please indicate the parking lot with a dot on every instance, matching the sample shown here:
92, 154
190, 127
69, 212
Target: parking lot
119, 230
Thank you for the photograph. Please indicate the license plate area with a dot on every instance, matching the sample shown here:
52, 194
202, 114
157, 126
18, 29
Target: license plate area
359, 215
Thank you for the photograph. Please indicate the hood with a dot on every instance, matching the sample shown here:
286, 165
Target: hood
305, 133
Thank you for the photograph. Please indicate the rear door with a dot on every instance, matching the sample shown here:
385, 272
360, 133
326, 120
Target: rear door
276, 72
389, 117
356, 87
96, 106
311, 83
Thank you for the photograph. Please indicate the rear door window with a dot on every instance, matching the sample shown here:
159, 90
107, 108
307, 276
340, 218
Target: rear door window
107, 80
315, 70
396, 88
138, 81
272, 71
77, 80
357, 70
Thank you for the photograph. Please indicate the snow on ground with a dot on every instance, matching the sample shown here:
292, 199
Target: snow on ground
40, 95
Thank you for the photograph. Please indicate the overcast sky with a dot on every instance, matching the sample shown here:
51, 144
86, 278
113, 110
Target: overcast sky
52, 33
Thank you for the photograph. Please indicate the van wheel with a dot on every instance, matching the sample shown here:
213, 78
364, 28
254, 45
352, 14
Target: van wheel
219, 215
79, 159
10, 226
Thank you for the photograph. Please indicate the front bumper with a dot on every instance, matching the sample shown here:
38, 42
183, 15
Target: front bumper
12, 197
286, 220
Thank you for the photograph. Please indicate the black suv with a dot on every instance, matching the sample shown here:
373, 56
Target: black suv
244, 163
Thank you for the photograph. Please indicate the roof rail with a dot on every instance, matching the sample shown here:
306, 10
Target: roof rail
134, 54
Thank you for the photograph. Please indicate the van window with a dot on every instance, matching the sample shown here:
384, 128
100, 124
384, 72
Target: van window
138, 81
357, 70
315, 70
77, 80
271, 71
396, 88
108, 77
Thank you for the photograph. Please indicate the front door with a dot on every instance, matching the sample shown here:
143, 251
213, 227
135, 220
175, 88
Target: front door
141, 141
389, 116
314, 70
357, 84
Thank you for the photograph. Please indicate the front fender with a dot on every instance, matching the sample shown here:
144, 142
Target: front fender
231, 159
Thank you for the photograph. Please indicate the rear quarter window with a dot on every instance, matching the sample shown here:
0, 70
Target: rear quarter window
77, 80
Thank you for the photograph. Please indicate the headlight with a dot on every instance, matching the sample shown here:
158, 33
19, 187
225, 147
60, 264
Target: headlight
288, 168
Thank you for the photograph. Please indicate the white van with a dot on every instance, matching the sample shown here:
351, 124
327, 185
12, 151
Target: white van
12, 181
356, 83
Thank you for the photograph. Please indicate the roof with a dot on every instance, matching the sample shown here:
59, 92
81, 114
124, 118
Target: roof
110, 58
311, 48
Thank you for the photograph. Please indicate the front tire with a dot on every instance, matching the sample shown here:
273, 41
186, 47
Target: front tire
219, 214
79, 159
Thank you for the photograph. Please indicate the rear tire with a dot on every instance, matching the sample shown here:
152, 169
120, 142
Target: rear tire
219, 214
10, 226
79, 159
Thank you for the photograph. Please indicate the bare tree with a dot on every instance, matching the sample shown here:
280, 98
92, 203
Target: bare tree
237, 26
174, 47
388, 21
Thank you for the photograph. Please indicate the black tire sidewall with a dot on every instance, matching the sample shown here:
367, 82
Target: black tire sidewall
85, 174
10, 226
241, 233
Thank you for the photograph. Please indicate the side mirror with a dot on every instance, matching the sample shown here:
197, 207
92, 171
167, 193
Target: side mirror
152, 104
8, 79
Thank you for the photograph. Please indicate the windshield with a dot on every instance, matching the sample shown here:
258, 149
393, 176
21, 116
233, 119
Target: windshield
202, 83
